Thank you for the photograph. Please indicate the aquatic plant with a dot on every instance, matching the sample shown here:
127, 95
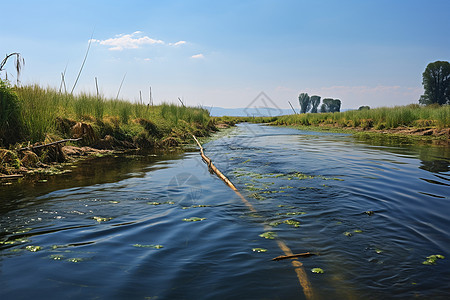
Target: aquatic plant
268, 235
431, 260
259, 250
317, 270
193, 219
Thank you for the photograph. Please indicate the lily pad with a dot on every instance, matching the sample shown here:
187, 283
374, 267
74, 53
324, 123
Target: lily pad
32, 248
357, 231
268, 235
317, 270
347, 233
259, 250
193, 219
56, 257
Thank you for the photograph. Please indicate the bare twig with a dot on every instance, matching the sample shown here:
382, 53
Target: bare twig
11, 176
293, 256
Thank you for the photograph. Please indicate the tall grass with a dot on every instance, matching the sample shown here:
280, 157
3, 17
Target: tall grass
41, 107
379, 118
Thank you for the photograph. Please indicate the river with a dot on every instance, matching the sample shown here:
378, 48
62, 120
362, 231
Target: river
160, 226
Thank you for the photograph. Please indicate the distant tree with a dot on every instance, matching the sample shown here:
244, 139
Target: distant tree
331, 105
315, 101
364, 108
436, 82
305, 103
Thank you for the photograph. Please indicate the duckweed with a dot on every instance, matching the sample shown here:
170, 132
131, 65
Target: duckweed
101, 219
317, 270
259, 250
32, 248
269, 235
193, 219
431, 260
148, 246
75, 259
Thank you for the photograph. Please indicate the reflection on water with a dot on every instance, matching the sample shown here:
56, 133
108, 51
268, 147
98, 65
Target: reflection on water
116, 227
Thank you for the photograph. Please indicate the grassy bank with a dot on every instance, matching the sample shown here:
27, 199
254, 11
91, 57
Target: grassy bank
47, 114
32, 114
413, 115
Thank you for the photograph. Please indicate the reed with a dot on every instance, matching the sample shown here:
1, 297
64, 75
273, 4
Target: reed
412, 115
41, 107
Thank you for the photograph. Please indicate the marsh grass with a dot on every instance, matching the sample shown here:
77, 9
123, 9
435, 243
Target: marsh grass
41, 107
412, 115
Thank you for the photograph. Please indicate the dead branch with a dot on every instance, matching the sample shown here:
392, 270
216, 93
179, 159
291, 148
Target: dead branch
49, 144
306, 254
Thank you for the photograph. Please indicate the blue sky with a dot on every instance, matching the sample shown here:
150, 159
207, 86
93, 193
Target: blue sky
225, 53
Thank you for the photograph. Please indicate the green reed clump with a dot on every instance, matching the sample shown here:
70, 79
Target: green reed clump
40, 108
11, 125
412, 115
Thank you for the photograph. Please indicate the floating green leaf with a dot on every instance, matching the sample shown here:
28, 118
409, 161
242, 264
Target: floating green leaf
431, 260
148, 246
357, 231
101, 219
268, 235
193, 219
317, 270
259, 250
292, 222
113, 202
153, 203
379, 251
32, 248
56, 257
275, 223
75, 259
347, 233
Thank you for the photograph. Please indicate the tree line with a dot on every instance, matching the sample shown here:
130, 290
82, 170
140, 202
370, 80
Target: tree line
311, 104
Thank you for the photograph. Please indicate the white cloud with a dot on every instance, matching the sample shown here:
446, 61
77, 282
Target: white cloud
198, 56
179, 43
128, 41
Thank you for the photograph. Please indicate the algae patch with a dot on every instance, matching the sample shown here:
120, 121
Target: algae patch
193, 219
259, 250
32, 248
431, 260
268, 235
317, 270
148, 246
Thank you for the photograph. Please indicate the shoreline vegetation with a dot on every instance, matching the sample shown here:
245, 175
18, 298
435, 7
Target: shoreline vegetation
416, 121
32, 116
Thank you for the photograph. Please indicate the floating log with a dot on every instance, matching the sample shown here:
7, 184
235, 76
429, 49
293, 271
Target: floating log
49, 144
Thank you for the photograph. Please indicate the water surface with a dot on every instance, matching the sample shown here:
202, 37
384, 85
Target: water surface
116, 227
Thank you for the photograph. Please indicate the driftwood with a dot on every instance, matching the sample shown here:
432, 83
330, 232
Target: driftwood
49, 144
306, 254
11, 176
